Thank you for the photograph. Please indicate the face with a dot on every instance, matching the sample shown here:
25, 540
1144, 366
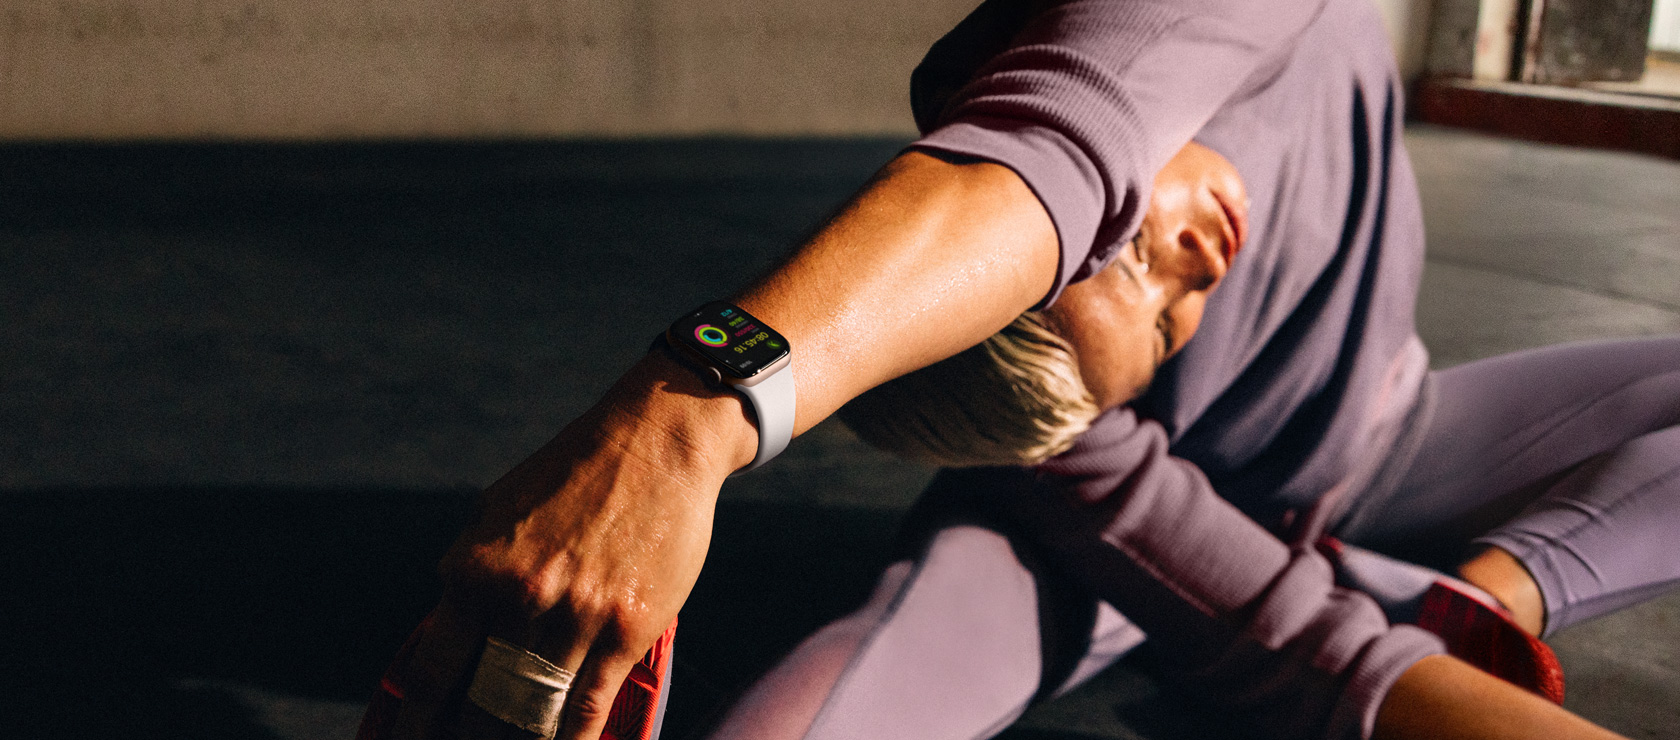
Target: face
1128, 319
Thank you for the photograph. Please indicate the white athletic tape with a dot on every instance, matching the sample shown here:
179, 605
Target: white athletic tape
518, 687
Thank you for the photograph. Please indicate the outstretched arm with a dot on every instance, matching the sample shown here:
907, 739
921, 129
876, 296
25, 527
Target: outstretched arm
1444, 698
585, 552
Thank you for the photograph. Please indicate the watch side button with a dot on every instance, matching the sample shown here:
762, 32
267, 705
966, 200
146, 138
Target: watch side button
717, 377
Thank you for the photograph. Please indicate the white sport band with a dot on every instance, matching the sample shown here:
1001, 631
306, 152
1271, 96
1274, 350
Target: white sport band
772, 401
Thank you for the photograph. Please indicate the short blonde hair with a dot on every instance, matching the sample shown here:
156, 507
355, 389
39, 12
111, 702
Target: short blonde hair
1015, 399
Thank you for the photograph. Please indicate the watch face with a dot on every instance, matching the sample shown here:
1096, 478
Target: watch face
738, 344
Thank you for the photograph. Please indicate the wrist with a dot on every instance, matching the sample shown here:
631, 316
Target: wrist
703, 429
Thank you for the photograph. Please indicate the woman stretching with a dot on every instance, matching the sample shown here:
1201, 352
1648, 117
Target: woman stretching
1182, 505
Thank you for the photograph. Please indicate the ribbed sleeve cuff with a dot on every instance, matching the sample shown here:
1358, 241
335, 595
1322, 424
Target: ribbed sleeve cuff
1065, 180
1333, 644
1385, 658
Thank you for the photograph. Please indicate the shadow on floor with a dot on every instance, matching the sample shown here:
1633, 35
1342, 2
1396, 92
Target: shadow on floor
158, 600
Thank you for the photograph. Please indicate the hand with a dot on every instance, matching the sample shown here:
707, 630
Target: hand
583, 553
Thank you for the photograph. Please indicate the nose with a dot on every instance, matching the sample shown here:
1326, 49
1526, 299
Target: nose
1198, 252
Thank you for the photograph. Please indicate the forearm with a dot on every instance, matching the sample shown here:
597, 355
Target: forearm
1443, 698
930, 258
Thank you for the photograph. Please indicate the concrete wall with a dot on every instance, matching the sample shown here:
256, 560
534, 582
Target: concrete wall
1408, 31
329, 69
404, 68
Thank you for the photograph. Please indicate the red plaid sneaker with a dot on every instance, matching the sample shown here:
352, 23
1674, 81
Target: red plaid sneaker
1485, 636
635, 711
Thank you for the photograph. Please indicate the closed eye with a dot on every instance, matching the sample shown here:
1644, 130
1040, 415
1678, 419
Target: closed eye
1163, 327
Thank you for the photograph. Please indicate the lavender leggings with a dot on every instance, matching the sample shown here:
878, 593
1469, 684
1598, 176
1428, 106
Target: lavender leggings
1568, 457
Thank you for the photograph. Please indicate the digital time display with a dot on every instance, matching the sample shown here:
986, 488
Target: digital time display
739, 344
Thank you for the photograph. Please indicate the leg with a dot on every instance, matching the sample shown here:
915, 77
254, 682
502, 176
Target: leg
948, 647
1527, 437
1602, 538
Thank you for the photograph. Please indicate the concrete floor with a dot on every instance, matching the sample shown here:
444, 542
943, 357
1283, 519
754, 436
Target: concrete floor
246, 394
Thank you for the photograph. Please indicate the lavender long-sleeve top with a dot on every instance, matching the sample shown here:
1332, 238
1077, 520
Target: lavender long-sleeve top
1305, 375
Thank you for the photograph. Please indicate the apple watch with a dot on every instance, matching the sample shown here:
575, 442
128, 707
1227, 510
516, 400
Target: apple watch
735, 350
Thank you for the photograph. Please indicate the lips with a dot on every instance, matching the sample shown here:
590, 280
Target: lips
1236, 222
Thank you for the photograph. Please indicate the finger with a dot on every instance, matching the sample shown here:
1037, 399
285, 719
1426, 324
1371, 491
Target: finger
515, 692
591, 701
437, 673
